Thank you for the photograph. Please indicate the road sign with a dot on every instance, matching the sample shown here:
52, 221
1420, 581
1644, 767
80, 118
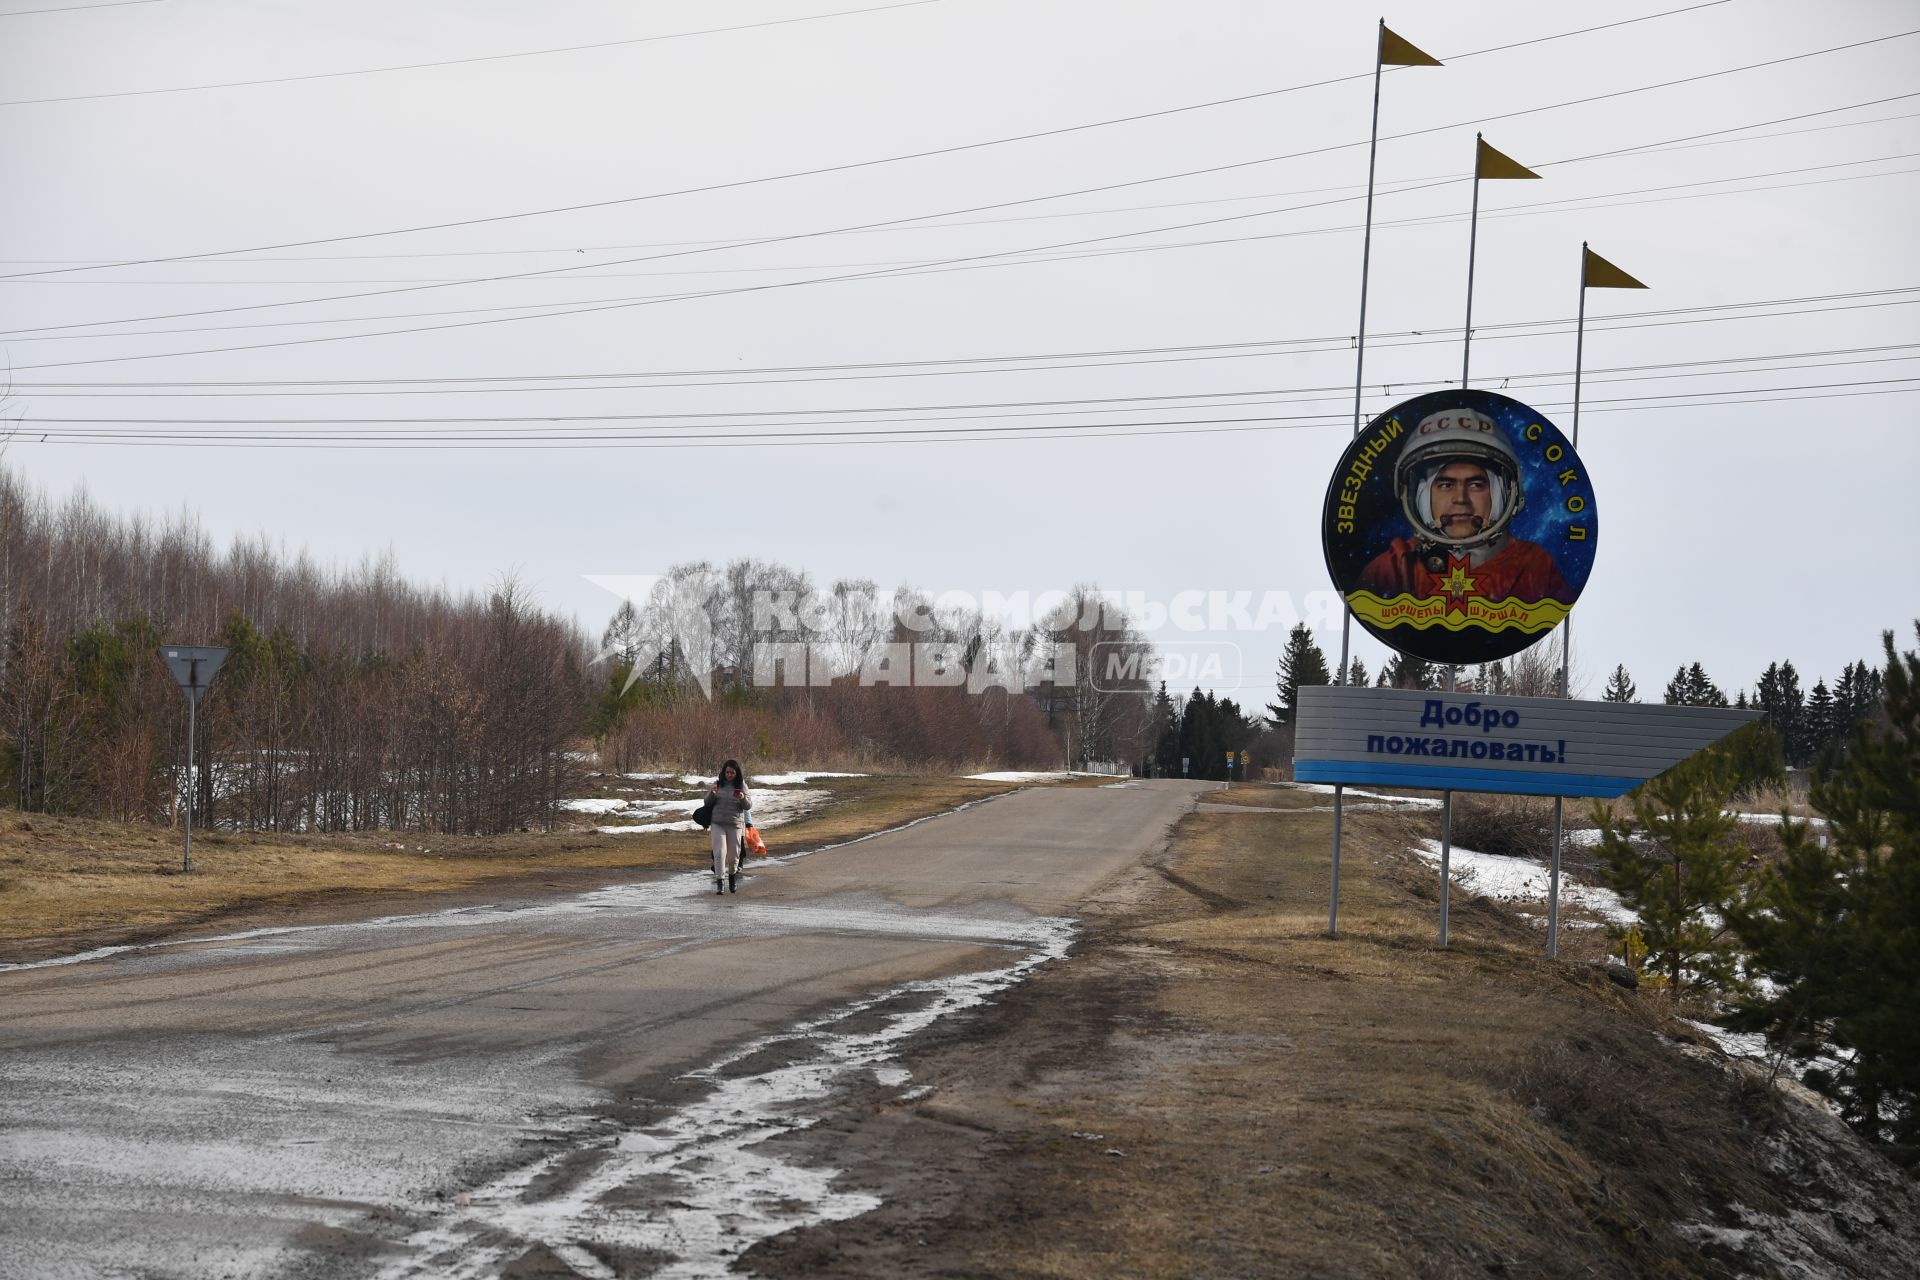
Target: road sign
193, 666
1515, 746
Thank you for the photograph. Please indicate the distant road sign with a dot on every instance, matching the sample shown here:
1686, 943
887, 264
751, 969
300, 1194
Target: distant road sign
193, 666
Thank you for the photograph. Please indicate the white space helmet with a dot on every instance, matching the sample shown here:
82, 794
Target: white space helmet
1458, 435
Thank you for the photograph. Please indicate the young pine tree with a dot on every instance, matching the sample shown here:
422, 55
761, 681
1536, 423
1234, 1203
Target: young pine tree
1678, 866
1835, 926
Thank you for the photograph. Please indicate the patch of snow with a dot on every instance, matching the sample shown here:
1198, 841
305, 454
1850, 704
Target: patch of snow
1020, 775
1326, 788
1735, 1044
1117, 786
727, 1191
593, 805
770, 809
1524, 880
892, 1077
1706, 1233
1774, 818
797, 776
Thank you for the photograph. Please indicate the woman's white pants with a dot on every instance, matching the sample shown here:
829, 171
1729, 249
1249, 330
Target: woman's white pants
726, 851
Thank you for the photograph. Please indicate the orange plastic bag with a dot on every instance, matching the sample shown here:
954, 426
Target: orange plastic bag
751, 842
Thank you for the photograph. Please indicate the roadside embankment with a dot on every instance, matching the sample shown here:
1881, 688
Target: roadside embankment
1208, 1085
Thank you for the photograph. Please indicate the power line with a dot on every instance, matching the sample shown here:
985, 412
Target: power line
736, 436
75, 8
571, 268
1648, 372
453, 62
1003, 257
935, 413
1409, 337
852, 165
1641, 148
537, 310
1389, 189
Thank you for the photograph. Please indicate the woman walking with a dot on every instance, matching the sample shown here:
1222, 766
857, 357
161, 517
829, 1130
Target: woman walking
730, 800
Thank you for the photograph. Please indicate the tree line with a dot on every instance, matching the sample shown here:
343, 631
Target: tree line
706, 659
352, 699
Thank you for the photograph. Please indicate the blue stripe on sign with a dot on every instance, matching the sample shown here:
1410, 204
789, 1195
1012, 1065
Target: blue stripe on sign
1441, 778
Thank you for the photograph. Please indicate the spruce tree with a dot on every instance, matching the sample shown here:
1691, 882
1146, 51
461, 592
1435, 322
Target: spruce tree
1781, 702
1301, 662
1677, 864
1620, 687
1847, 705
1702, 691
1817, 723
1357, 674
1835, 926
1691, 687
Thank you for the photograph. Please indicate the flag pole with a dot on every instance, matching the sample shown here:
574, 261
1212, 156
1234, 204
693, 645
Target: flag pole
1473, 238
1566, 627
1359, 369
1386, 45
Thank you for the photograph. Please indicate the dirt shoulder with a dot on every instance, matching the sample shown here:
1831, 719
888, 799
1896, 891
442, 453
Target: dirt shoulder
71, 884
1209, 1086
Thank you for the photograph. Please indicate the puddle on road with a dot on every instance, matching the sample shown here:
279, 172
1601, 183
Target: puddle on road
699, 1187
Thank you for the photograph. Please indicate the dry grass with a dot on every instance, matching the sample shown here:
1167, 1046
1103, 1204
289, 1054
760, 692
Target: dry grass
1212, 1086
71, 883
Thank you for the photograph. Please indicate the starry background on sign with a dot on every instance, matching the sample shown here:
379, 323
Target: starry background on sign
1378, 518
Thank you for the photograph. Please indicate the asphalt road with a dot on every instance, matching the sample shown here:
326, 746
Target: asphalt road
580, 1086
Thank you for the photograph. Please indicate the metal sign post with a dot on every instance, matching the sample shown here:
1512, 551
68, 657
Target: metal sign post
193, 666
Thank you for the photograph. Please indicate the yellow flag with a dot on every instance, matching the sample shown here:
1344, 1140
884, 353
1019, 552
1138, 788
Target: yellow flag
1395, 52
1489, 163
1597, 273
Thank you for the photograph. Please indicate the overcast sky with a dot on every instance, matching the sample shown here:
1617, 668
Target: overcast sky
1770, 517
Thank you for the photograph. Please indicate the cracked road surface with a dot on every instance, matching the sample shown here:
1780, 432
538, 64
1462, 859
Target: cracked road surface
537, 1087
